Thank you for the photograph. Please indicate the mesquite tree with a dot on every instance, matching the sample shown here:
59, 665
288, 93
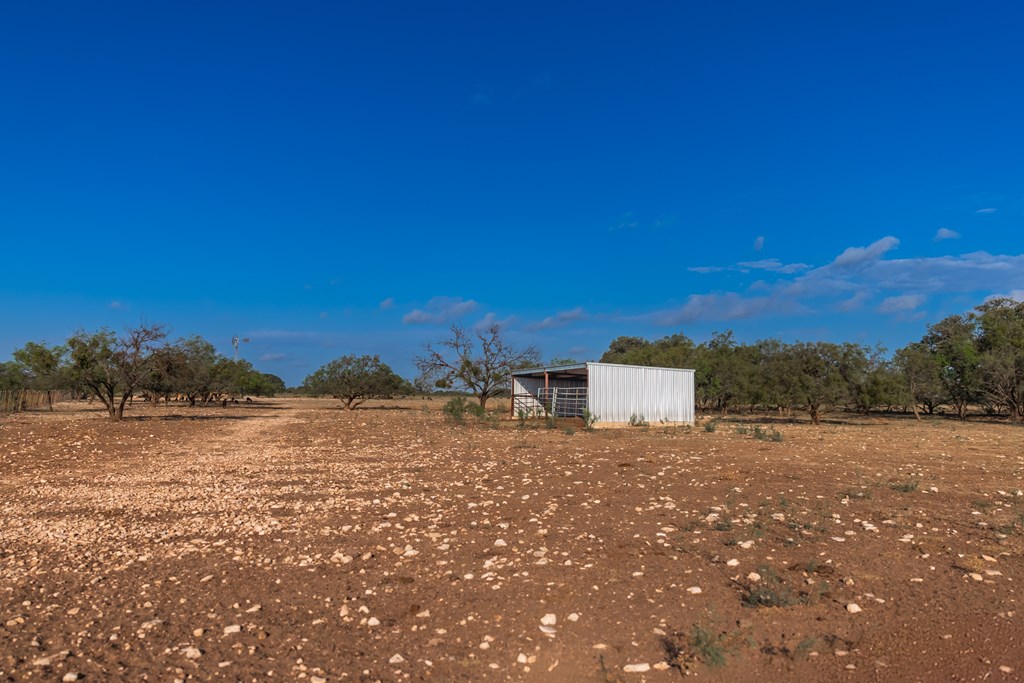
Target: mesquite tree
480, 363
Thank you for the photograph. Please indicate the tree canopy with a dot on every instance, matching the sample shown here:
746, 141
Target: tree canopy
354, 379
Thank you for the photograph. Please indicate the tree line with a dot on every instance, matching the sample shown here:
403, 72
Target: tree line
115, 368
973, 359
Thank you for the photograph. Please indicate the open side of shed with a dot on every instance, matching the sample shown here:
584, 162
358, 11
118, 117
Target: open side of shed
611, 392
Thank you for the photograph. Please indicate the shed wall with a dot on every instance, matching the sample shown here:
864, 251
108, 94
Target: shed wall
617, 392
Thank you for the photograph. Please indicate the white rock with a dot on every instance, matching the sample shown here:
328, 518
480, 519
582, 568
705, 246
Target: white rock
373, 621
732, 563
853, 608
396, 659
549, 620
70, 677
753, 577
637, 668
573, 617
234, 628
548, 630
192, 653
693, 589
500, 543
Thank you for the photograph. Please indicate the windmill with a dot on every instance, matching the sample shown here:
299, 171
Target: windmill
234, 342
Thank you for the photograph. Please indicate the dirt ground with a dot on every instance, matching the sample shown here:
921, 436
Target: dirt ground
290, 540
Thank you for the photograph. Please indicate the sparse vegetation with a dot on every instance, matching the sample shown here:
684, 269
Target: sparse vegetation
908, 486
637, 421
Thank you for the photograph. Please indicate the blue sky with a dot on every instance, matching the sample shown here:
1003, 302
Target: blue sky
333, 178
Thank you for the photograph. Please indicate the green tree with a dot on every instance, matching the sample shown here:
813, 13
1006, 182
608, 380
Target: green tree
111, 365
817, 381
953, 342
481, 363
12, 376
1001, 348
44, 368
922, 377
354, 379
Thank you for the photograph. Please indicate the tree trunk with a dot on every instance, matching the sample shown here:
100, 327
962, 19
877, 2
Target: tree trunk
125, 397
917, 413
483, 401
815, 417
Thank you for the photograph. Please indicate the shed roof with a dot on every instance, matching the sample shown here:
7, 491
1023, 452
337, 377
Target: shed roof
574, 370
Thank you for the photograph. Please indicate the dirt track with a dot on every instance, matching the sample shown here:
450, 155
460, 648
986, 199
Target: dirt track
291, 540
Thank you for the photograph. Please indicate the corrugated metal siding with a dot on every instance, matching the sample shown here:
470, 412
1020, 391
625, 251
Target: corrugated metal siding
617, 392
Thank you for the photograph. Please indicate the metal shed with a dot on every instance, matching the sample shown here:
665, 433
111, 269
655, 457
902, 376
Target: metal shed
611, 392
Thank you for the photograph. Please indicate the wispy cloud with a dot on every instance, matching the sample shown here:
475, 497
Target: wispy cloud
387, 304
270, 357
759, 243
492, 319
945, 234
773, 265
986, 210
118, 305
440, 309
856, 256
849, 281
901, 304
560, 319
728, 306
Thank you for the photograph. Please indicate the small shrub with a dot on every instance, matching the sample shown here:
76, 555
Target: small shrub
762, 434
568, 431
770, 591
637, 421
707, 647
908, 486
742, 429
457, 408
589, 420
710, 426
521, 415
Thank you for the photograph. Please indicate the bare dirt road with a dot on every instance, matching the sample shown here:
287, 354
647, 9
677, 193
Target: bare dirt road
290, 540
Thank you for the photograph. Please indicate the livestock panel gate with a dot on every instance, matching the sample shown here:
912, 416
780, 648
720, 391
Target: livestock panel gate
611, 392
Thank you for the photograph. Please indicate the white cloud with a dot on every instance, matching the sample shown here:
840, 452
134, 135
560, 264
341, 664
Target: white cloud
440, 309
759, 243
269, 357
118, 305
946, 234
324, 315
855, 256
774, 265
492, 319
986, 210
854, 302
560, 319
387, 304
901, 304
728, 306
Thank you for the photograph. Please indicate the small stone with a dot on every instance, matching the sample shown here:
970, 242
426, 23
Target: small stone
853, 608
976, 576
198, 632
548, 630
732, 563
317, 679
500, 543
373, 621
192, 653
234, 628
549, 620
693, 590
396, 659
637, 668
573, 617
1006, 669
70, 677
661, 666
753, 577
